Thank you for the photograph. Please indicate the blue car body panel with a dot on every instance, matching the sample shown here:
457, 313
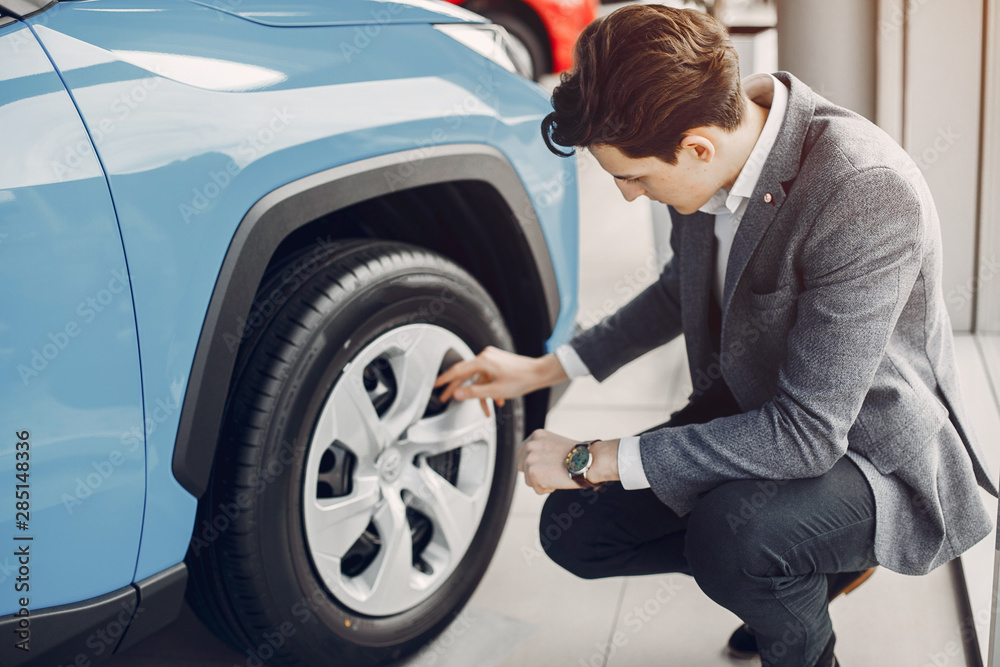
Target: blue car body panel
197, 112
342, 12
68, 349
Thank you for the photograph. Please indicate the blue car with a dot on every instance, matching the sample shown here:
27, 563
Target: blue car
239, 240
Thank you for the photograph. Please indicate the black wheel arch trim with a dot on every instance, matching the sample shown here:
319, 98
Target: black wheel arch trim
279, 213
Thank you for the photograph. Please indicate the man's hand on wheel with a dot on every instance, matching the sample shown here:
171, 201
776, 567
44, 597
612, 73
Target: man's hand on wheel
499, 374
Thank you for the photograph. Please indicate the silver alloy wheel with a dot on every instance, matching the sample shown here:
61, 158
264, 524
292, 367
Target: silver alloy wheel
391, 474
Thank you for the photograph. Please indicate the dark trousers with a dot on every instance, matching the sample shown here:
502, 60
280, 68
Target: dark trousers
760, 548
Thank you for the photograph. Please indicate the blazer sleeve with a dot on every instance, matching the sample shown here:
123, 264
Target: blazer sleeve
858, 266
651, 319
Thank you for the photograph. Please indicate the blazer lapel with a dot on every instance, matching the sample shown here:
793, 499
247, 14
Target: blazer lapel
780, 169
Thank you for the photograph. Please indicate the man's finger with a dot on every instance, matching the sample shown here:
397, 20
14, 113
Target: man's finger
476, 390
460, 371
486, 407
449, 390
453, 387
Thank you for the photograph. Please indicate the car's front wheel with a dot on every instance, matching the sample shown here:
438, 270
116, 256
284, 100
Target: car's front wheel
350, 514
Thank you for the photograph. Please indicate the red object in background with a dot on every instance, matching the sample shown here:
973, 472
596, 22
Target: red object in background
547, 28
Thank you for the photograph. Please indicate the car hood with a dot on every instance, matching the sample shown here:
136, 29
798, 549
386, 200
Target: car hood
299, 13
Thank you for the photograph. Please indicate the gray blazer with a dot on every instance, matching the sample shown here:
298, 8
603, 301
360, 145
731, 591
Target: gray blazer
835, 339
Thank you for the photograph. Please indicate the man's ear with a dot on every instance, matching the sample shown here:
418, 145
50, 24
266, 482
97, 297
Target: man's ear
702, 147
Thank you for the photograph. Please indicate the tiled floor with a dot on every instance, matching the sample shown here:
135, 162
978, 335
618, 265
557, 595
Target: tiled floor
528, 612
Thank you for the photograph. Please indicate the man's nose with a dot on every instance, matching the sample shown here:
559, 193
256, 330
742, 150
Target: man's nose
630, 191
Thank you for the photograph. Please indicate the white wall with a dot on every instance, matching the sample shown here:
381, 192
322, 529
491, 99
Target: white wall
941, 129
988, 304
916, 68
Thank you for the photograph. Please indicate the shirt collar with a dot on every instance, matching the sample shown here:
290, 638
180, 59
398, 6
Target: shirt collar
768, 91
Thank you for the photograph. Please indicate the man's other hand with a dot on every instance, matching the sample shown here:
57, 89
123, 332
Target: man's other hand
542, 459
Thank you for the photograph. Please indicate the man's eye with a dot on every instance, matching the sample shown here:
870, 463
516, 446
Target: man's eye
630, 180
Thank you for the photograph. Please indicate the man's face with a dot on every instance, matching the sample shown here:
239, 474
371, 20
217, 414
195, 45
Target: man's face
686, 185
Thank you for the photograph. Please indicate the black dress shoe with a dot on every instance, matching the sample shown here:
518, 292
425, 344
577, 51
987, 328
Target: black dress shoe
743, 641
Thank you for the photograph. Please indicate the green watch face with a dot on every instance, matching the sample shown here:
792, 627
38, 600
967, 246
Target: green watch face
577, 459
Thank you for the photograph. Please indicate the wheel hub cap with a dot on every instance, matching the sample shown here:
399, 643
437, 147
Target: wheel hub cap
390, 465
389, 529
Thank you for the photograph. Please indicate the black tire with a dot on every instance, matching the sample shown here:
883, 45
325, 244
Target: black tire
253, 580
525, 34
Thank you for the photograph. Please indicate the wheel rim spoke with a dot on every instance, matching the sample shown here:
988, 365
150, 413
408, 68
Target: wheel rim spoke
350, 417
338, 523
460, 425
391, 576
455, 515
416, 369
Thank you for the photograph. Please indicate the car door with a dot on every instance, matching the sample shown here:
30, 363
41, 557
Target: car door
72, 449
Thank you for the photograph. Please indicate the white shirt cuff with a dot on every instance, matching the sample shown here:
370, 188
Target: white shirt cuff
571, 361
630, 464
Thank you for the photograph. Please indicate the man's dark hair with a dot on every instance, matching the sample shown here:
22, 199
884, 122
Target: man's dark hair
643, 76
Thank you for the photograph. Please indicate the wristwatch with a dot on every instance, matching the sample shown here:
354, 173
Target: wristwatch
578, 462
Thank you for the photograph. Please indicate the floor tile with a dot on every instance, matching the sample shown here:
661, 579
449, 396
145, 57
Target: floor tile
667, 620
522, 583
894, 619
478, 636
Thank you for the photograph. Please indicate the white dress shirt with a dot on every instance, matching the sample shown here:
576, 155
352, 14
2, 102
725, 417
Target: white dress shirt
728, 206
